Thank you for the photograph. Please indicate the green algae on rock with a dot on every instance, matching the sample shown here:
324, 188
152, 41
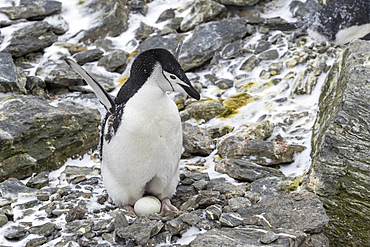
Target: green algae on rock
339, 173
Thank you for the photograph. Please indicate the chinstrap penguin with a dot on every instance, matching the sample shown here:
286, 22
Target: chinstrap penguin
141, 134
340, 21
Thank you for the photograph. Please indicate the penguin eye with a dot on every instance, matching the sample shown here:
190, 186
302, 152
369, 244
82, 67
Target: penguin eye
172, 77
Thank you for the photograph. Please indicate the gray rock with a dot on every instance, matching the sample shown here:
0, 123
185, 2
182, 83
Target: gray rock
275, 68
138, 6
76, 213
262, 46
250, 63
39, 181
141, 230
213, 212
200, 12
43, 196
307, 80
297, 211
266, 186
36, 242
209, 38
269, 237
191, 218
105, 44
243, 236
257, 151
224, 83
43, 230
88, 56
59, 26
12, 187
232, 50
168, 42
15, 233
244, 170
269, 55
10, 80
238, 203
196, 140
238, 2
80, 227
226, 188
36, 86
202, 109
231, 219
175, 23
120, 221
143, 32
340, 157
32, 10
32, 38
72, 172
3, 219
168, 14
39, 136
175, 226
113, 20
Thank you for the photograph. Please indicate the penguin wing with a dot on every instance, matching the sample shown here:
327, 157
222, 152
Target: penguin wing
100, 92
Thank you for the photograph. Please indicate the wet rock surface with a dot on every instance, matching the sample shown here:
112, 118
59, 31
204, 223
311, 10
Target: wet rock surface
237, 139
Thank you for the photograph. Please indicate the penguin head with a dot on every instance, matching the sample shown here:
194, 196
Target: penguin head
161, 67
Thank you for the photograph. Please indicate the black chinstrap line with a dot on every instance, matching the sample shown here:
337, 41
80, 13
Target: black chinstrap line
168, 81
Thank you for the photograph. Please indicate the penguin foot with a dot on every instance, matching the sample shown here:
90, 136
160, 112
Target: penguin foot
129, 209
167, 206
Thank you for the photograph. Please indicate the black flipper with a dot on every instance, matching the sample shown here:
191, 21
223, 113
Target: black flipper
100, 92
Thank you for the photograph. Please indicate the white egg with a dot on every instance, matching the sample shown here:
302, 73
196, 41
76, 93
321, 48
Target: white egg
147, 205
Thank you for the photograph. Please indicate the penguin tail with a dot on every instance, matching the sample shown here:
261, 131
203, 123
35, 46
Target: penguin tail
100, 92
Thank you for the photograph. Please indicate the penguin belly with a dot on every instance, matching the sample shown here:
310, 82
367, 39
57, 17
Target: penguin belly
143, 155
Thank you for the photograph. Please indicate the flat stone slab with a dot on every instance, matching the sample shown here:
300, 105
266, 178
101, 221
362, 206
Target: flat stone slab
38, 134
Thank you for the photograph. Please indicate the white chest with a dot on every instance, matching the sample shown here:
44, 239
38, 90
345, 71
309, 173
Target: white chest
149, 135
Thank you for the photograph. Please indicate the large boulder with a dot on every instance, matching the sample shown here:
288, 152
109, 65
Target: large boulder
113, 19
202, 11
38, 134
339, 174
32, 9
208, 38
32, 38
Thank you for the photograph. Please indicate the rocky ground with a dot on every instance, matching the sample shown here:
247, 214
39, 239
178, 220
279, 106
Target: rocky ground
244, 141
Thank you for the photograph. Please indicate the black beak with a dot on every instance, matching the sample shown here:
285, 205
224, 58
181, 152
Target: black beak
191, 91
